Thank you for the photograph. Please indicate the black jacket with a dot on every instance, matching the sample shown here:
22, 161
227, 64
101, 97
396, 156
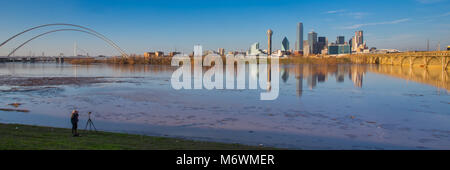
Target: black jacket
74, 118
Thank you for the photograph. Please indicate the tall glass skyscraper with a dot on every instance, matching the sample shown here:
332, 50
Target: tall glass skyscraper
285, 44
299, 42
312, 41
340, 40
357, 40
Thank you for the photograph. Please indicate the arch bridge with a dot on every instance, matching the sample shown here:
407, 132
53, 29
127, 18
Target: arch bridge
79, 29
422, 59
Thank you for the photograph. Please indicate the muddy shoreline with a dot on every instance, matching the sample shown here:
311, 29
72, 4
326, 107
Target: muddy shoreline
52, 81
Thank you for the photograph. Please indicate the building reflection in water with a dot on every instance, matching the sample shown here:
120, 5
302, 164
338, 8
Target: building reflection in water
314, 74
299, 77
356, 74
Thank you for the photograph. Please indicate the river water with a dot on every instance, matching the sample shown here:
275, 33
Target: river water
319, 107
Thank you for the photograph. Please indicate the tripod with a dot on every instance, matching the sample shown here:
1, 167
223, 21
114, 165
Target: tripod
90, 123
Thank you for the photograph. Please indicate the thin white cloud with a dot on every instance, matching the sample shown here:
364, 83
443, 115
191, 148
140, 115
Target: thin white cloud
343, 12
335, 11
376, 23
357, 15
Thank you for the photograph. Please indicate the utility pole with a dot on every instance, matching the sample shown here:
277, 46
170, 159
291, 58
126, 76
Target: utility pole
428, 45
439, 46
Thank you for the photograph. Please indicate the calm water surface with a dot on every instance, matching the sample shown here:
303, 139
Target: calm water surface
319, 106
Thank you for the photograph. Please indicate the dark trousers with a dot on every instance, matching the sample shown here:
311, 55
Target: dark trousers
74, 127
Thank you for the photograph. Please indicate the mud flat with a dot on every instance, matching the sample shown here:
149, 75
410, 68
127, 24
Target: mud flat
51, 81
13, 110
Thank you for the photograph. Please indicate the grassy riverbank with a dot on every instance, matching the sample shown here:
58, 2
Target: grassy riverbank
25, 137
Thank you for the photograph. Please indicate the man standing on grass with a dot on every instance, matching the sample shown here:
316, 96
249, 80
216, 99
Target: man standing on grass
74, 120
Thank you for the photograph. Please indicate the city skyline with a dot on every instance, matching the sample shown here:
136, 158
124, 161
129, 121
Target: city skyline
140, 27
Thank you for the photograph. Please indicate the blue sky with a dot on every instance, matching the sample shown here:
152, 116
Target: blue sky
139, 26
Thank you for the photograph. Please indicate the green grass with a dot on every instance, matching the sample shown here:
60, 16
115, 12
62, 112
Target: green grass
24, 137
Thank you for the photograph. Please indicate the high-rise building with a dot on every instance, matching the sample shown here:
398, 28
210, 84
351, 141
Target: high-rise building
306, 48
340, 40
312, 42
221, 51
299, 42
350, 42
322, 39
295, 47
285, 44
321, 44
254, 49
269, 39
359, 37
357, 42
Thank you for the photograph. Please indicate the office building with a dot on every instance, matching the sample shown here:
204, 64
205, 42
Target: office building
285, 44
321, 44
312, 42
336, 49
299, 42
306, 48
357, 42
359, 37
254, 49
221, 51
340, 40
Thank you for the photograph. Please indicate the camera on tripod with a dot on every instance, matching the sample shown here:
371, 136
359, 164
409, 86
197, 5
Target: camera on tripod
90, 123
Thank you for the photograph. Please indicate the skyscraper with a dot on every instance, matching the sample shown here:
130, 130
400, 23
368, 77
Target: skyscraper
221, 51
285, 44
254, 49
306, 48
357, 41
299, 42
312, 41
321, 44
359, 37
269, 39
340, 40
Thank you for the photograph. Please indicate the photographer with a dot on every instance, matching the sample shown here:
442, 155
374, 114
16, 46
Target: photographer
74, 120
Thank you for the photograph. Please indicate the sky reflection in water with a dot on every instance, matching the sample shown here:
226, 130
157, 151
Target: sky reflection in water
319, 106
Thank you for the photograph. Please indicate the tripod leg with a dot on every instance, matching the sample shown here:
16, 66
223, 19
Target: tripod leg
86, 125
90, 124
94, 126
